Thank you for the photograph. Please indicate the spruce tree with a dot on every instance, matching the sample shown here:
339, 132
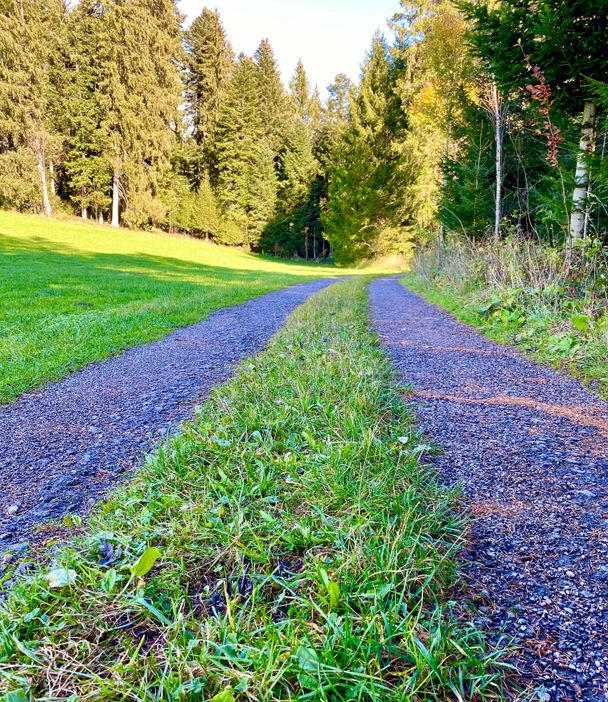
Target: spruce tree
30, 46
87, 170
209, 64
139, 93
274, 102
247, 180
299, 88
366, 213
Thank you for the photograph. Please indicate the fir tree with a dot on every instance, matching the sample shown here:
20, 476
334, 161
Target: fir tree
274, 102
139, 93
247, 180
366, 213
209, 64
87, 170
30, 37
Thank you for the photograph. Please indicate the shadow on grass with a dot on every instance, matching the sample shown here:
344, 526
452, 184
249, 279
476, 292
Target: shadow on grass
62, 308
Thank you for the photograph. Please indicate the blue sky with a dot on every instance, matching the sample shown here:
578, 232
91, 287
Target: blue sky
330, 36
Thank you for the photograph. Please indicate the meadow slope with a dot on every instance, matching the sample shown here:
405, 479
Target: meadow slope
73, 293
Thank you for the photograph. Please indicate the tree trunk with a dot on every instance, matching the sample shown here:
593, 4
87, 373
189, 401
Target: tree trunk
446, 154
85, 213
581, 179
115, 200
100, 218
52, 177
498, 137
43, 185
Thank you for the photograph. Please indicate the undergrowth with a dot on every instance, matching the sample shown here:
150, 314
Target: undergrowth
528, 294
289, 544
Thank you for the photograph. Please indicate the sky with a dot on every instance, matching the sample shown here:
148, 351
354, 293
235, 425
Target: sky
330, 36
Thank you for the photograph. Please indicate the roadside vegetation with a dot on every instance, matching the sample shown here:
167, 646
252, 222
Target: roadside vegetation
76, 293
289, 544
528, 294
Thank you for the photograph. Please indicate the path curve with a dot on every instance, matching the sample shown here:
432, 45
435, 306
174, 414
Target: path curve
530, 448
62, 447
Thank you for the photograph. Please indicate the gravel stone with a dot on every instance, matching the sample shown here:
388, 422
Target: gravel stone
529, 447
68, 443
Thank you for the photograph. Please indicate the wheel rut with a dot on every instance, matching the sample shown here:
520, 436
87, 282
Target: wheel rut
529, 447
63, 447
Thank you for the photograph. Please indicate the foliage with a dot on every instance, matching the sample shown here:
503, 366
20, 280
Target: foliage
247, 180
525, 293
366, 214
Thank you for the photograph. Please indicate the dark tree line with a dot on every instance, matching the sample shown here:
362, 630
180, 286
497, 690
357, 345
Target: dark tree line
477, 118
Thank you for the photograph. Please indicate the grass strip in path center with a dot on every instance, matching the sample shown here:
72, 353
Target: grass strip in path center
287, 545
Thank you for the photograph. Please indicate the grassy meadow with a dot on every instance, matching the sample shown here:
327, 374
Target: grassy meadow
72, 293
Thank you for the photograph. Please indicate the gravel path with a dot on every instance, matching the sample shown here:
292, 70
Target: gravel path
530, 448
62, 447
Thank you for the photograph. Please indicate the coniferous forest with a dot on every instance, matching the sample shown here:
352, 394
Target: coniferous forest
476, 119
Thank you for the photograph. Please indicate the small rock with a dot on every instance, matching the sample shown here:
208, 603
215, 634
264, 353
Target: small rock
12, 509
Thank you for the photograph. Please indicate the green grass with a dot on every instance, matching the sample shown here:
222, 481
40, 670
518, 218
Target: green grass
304, 550
72, 293
523, 293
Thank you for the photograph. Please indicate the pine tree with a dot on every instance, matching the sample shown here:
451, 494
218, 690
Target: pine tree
209, 64
139, 94
366, 212
246, 181
274, 102
30, 40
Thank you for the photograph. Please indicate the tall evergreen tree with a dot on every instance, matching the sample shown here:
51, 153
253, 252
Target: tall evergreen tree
87, 170
274, 102
209, 64
139, 93
30, 38
366, 212
247, 184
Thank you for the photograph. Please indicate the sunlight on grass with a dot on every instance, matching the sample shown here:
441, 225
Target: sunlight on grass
72, 293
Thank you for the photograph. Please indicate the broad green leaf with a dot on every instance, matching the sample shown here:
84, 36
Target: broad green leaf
61, 577
145, 562
333, 590
581, 321
223, 696
308, 659
109, 580
15, 696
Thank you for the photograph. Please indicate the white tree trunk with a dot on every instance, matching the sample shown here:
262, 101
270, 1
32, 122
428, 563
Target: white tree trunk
100, 218
115, 200
581, 179
43, 184
446, 155
497, 114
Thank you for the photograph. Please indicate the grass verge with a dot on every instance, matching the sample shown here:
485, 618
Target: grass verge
289, 544
73, 293
521, 295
